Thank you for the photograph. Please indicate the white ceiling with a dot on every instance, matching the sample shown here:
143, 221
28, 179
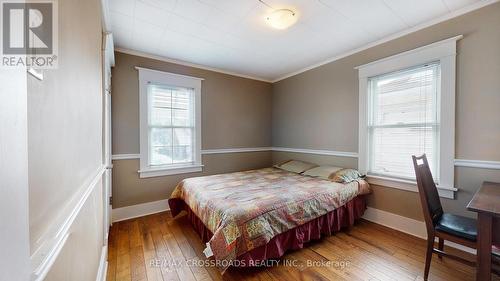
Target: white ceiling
231, 35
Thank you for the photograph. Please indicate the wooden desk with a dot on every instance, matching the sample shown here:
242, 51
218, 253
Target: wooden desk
486, 202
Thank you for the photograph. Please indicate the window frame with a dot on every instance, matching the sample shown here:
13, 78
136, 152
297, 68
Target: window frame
150, 76
443, 52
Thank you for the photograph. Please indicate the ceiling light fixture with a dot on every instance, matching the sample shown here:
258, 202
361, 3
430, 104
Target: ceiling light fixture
280, 18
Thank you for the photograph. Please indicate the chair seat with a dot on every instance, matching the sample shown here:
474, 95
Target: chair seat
458, 226
495, 250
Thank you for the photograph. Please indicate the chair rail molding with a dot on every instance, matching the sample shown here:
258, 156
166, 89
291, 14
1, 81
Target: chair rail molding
127, 156
481, 164
317, 151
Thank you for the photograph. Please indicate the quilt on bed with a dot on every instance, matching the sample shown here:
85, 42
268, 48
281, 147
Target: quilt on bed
244, 210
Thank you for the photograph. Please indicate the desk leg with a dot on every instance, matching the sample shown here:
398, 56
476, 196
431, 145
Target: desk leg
484, 228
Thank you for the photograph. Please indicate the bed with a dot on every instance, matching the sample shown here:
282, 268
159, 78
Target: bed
248, 217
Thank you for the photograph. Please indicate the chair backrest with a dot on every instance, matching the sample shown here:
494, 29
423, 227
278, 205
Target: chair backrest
429, 196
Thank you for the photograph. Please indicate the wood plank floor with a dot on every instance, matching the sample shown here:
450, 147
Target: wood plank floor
367, 251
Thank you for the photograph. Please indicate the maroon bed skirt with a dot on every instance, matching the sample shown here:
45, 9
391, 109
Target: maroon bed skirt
292, 239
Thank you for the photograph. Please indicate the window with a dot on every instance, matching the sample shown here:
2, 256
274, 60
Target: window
407, 107
170, 141
403, 120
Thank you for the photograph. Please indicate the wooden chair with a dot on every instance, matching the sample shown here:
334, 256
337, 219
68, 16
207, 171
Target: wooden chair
444, 226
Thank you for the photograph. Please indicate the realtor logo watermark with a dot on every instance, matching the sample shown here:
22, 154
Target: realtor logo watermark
29, 34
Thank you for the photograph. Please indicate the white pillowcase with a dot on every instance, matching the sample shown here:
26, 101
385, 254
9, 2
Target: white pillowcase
296, 166
323, 172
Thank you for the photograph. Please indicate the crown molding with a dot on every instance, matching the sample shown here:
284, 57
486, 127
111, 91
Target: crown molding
448, 16
185, 63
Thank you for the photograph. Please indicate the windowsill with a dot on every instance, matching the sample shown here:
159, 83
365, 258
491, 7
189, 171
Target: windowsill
167, 171
409, 185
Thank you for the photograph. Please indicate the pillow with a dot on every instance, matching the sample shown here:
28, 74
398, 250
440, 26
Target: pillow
295, 166
322, 172
346, 176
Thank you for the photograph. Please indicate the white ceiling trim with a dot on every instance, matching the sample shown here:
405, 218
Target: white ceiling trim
185, 63
418, 27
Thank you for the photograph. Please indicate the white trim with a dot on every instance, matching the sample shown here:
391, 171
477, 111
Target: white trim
185, 63
108, 42
168, 73
443, 51
37, 73
103, 265
448, 16
407, 225
125, 156
158, 172
44, 257
425, 54
317, 151
235, 150
203, 152
494, 165
408, 185
109, 50
147, 76
106, 19
139, 210
481, 164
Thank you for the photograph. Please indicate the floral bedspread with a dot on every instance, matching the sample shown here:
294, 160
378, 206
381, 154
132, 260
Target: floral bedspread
245, 210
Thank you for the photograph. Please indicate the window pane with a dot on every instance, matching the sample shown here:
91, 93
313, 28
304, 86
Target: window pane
161, 137
170, 108
160, 155
181, 98
392, 149
182, 154
161, 116
160, 146
182, 136
404, 120
160, 96
406, 97
181, 117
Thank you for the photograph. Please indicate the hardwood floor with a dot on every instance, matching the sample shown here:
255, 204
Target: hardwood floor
367, 251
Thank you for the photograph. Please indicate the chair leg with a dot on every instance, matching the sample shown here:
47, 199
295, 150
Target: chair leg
428, 256
440, 246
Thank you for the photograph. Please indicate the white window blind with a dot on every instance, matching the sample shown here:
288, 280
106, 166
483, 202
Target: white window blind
403, 120
171, 125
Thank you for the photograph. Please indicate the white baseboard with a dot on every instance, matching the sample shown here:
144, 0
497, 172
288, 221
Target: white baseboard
139, 210
406, 225
103, 265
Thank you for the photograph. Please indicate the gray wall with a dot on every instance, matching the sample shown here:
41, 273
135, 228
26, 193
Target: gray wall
318, 109
236, 112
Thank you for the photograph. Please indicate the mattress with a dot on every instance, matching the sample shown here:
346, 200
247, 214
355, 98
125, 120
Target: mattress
244, 211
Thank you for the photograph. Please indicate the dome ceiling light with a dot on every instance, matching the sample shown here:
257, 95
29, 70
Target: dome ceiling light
280, 18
